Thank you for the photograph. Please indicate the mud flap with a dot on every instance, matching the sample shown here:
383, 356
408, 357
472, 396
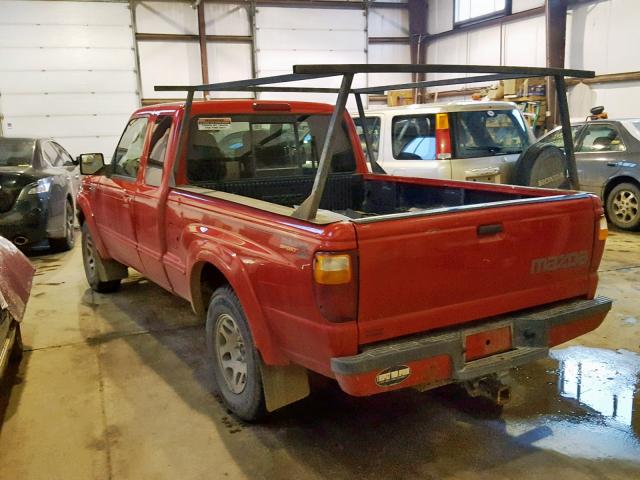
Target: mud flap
111, 270
283, 385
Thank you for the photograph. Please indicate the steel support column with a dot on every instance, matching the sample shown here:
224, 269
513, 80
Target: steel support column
556, 20
202, 39
417, 35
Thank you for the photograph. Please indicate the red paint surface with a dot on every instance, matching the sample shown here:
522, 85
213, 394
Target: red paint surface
483, 344
414, 275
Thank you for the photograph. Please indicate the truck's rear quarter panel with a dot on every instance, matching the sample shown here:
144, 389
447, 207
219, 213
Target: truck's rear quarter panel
268, 260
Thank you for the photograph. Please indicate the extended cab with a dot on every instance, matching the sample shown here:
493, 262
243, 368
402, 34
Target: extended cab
396, 282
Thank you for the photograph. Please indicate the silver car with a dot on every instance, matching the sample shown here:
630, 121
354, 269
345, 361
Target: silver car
608, 161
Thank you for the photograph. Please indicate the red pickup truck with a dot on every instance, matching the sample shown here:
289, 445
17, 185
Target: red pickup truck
395, 282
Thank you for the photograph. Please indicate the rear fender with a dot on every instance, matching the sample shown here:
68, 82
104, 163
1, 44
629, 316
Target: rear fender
203, 250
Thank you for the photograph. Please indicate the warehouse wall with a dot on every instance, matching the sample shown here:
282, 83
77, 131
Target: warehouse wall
599, 35
178, 62
67, 70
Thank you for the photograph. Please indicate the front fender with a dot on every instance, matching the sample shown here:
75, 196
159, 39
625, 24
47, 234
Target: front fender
83, 206
203, 250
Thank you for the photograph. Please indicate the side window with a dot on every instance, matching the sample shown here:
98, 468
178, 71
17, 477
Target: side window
601, 138
158, 151
414, 137
557, 139
67, 160
126, 159
51, 154
373, 129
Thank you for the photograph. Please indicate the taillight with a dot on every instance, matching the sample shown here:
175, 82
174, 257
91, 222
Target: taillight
443, 137
603, 229
335, 285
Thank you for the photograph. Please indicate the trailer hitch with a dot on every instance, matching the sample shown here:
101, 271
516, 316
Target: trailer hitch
492, 387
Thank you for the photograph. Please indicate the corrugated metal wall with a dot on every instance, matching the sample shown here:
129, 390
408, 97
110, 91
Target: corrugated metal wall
67, 70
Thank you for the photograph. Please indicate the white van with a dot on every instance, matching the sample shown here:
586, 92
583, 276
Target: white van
475, 141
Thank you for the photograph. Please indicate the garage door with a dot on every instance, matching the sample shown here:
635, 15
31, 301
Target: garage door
67, 71
290, 36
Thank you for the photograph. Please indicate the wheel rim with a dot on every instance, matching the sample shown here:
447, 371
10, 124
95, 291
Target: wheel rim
90, 259
230, 349
625, 206
69, 224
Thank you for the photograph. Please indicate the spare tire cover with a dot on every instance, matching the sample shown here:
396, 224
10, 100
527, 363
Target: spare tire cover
543, 166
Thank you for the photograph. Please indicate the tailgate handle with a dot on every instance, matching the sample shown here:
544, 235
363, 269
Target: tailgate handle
489, 229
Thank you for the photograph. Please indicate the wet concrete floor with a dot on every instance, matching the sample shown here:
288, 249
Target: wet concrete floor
116, 387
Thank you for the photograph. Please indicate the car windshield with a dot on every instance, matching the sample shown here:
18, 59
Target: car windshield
489, 132
16, 152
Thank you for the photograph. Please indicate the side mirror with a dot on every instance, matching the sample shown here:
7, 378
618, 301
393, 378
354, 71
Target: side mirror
91, 163
597, 110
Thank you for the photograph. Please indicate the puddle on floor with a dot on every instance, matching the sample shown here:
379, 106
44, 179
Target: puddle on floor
587, 400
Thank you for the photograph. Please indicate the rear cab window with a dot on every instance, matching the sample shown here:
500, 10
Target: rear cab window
486, 133
228, 148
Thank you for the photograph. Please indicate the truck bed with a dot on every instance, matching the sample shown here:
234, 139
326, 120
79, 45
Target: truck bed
360, 196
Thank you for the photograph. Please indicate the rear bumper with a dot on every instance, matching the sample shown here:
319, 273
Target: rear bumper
439, 358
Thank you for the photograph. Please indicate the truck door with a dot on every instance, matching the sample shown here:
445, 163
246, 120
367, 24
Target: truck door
149, 202
115, 193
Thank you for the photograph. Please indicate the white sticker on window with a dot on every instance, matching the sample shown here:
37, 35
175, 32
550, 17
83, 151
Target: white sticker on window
214, 124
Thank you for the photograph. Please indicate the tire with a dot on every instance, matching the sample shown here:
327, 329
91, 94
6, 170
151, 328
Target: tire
542, 166
91, 260
16, 352
68, 241
623, 206
236, 369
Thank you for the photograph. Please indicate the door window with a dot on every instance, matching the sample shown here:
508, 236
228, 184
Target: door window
414, 137
557, 138
126, 160
67, 160
158, 151
51, 155
601, 138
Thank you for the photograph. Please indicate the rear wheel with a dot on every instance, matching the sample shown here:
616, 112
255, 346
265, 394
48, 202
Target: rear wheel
16, 352
234, 359
623, 206
92, 263
68, 241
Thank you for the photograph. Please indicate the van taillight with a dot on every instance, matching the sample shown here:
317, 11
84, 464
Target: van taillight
443, 137
335, 285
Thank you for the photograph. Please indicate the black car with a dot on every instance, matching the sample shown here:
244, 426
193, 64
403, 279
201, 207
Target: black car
38, 185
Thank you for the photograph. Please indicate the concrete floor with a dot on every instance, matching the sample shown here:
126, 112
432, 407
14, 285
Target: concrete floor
116, 387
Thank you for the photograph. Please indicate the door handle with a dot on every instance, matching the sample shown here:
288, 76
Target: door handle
127, 197
612, 164
486, 230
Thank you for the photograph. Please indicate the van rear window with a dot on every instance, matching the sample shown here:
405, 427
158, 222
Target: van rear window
224, 148
489, 132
